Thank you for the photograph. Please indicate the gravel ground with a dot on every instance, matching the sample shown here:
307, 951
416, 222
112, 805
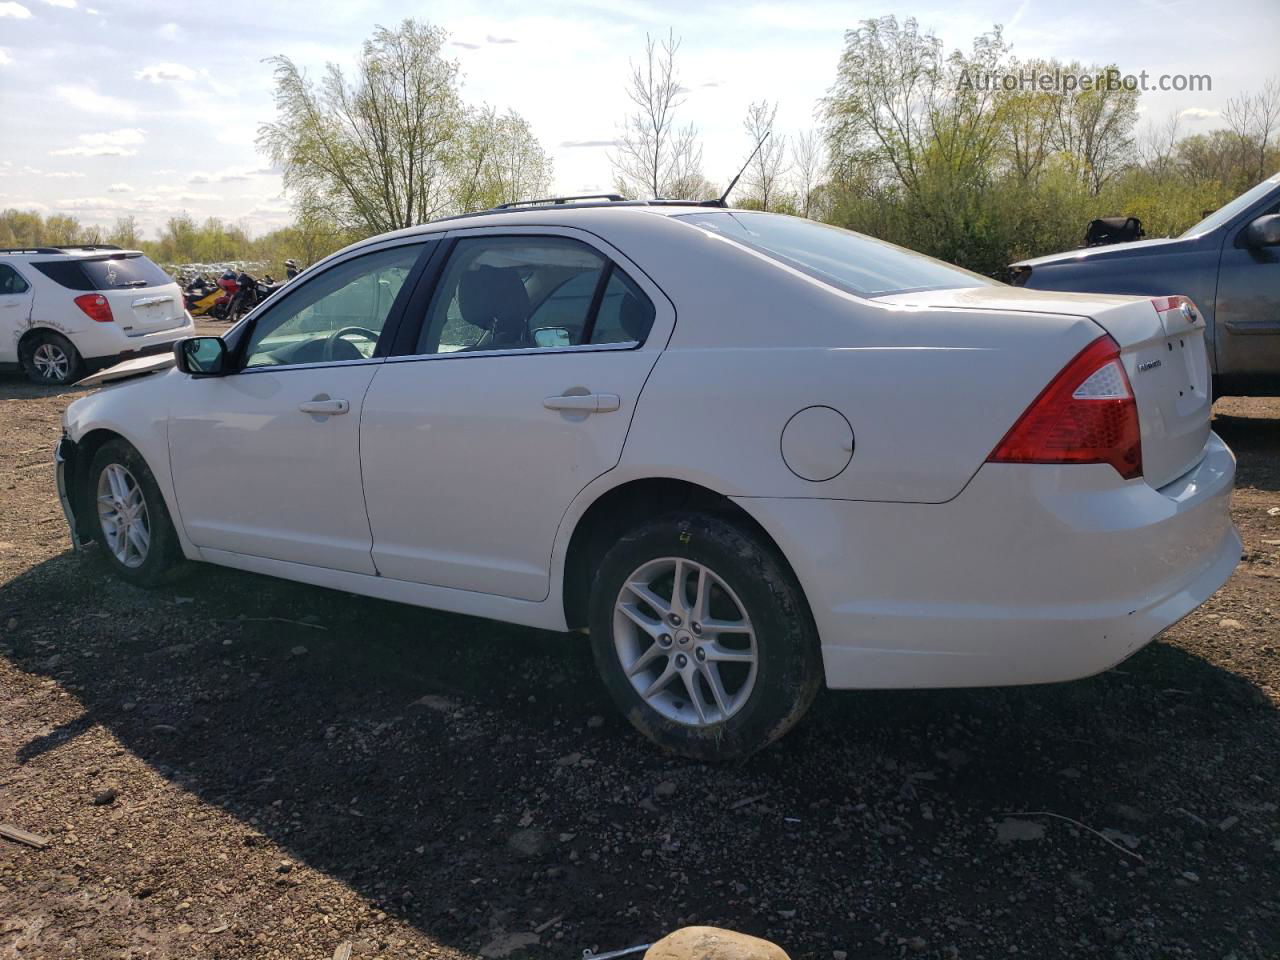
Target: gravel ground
243, 767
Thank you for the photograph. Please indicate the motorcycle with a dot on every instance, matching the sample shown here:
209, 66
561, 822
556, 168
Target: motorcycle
249, 293
201, 296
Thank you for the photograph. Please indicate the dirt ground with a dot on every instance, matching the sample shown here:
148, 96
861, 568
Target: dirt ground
243, 767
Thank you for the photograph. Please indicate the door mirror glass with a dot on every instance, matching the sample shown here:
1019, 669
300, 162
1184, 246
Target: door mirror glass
552, 337
201, 356
1264, 232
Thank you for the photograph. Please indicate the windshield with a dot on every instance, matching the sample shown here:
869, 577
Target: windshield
1240, 203
848, 261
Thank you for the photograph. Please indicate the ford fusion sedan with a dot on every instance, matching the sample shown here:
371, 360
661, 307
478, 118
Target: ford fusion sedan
749, 454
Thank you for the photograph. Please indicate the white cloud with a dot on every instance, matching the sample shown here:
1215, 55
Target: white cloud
64, 175
15, 10
165, 73
120, 188
113, 143
229, 175
169, 31
1200, 113
89, 100
64, 4
4, 57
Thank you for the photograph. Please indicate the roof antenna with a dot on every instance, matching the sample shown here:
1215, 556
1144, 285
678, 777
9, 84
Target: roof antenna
720, 201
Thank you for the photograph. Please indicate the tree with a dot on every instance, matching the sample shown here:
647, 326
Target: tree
807, 160
125, 233
654, 156
768, 166
396, 146
504, 161
1093, 128
1254, 119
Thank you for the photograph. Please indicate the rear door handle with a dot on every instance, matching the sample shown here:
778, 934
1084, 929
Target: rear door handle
583, 403
324, 407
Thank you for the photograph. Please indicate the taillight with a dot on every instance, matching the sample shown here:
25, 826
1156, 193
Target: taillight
1086, 414
96, 307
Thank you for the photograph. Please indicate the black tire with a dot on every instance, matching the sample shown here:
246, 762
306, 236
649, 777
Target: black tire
789, 661
50, 359
163, 560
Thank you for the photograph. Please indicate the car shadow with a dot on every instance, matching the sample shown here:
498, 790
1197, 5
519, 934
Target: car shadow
1256, 442
453, 770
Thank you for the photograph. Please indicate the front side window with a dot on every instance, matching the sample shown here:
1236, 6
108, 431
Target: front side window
337, 315
10, 281
539, 293
846, 260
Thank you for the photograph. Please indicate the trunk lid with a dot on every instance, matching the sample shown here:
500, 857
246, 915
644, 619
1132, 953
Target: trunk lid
147, 310
1162, 346
143, 298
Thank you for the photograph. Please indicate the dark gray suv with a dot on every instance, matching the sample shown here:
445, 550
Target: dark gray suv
1228, 264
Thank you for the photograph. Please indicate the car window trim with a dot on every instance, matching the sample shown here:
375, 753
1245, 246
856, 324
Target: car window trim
390, 326
620, 346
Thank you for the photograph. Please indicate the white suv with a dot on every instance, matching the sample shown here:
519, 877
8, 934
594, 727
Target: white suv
67, 310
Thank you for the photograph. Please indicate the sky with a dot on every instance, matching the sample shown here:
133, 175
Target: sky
115, 107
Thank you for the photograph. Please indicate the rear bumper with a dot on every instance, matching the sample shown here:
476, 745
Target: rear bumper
107, 347
1035, 573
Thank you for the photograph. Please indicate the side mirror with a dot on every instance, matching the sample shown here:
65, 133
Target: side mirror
201, 356
552, 337
1263, 232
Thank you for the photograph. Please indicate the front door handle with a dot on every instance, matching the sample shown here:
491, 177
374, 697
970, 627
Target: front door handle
583, 402
324, 407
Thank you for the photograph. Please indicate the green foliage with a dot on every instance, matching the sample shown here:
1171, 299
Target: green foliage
927, 152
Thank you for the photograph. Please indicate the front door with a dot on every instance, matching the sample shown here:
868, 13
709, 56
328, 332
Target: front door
1247, 308
519, 392
266, 460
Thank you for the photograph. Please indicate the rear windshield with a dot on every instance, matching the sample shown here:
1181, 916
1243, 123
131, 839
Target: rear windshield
848, 261
104, 273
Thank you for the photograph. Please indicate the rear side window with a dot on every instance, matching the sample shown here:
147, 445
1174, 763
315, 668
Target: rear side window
10, 281
104, 273
846, 260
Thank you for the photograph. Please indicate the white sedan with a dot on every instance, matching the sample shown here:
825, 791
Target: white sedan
748, 453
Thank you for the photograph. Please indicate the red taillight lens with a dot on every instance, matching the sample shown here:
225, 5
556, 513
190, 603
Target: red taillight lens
95, 306
1086, 414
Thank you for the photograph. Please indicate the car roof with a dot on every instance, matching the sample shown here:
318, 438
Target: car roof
549, 214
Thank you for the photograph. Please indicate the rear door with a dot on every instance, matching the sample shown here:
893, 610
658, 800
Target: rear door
15, 308
516, 392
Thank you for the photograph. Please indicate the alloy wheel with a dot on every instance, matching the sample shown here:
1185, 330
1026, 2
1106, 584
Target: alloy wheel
51, 362
122, 511
685, 641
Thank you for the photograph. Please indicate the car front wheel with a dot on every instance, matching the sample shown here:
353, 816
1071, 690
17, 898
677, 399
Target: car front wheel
703, 637
130, 519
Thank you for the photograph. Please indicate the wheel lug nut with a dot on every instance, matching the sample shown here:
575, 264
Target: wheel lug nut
675, 620
697, 628
665, 639
682, 661
700, 654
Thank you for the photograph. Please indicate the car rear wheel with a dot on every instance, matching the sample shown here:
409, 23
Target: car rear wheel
703, 638
50, 359
130, 520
